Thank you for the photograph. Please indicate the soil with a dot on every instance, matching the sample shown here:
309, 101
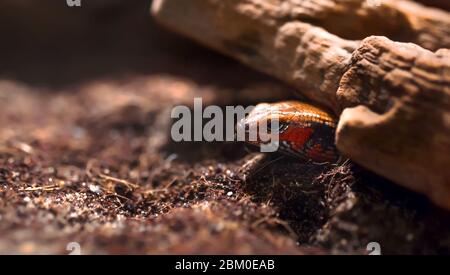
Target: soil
86, 154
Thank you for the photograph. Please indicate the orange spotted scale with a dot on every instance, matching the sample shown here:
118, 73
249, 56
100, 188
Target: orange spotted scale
304, 131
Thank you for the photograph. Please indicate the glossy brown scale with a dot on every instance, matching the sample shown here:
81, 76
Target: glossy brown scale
304, 131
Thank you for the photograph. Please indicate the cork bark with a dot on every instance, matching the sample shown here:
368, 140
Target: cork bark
399, 125
393, 96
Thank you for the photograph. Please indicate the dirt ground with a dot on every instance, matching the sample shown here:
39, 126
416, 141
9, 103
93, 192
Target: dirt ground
86, 154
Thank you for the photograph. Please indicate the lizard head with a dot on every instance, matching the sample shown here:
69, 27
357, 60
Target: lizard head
301, 129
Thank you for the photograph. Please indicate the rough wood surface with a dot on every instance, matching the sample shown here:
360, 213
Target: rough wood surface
307, 57
272, 36
400, 20
400, 125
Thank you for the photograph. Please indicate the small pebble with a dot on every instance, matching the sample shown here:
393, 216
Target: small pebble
95, 189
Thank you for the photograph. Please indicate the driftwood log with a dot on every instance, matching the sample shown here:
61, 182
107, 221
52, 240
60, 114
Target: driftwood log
393, 97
